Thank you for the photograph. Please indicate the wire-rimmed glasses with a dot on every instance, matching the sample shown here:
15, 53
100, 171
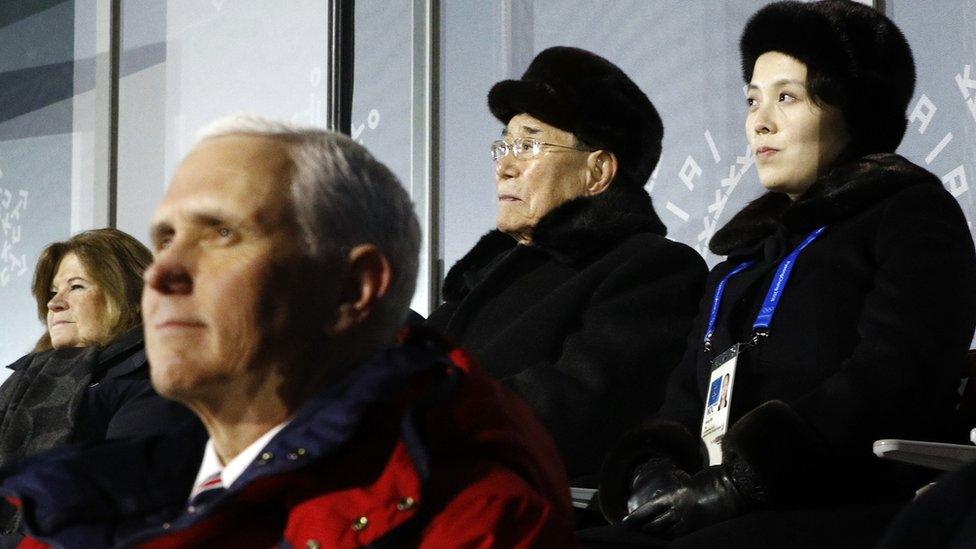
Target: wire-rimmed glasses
523, 148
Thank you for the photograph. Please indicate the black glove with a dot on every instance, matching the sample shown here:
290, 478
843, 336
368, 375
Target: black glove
652, 479
669, 502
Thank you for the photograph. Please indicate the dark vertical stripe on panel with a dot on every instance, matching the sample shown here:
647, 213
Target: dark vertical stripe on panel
115, 49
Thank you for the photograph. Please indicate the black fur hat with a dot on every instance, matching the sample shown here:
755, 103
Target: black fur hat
856, 48
590, 97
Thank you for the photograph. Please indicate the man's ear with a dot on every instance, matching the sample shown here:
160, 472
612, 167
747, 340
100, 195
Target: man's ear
602, 168
367, 279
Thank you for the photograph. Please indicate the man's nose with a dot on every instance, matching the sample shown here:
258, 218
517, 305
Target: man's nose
170, 272
506, 167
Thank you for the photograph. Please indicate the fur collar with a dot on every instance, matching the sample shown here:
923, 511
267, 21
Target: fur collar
570, 233
844, 191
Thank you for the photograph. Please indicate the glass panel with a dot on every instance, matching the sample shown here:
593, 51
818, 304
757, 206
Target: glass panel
381, 88
941, 134
185, 63
47, 78
471, 61
382, 98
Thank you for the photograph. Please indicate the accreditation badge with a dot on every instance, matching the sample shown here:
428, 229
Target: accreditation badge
715, 420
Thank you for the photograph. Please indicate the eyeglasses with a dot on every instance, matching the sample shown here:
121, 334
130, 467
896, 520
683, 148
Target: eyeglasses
523, 148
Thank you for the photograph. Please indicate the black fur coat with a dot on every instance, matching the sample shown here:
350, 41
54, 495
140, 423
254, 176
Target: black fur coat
586, 323
868, 342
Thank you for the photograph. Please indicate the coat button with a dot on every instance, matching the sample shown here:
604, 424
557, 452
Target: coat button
265, 458
300, 452
405, 504
312, 544
360, 524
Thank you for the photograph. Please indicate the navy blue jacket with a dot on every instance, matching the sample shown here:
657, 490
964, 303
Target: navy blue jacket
414, 441
81, 395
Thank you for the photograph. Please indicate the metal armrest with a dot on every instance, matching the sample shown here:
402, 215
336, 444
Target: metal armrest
584, 498
936, 455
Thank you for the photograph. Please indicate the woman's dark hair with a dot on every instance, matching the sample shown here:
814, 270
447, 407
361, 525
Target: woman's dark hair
825, 90
114, 260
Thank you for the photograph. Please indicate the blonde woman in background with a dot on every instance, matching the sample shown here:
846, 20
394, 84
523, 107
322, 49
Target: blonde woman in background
88, 378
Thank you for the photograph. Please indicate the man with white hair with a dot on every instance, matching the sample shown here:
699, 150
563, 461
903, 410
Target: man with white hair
284, 263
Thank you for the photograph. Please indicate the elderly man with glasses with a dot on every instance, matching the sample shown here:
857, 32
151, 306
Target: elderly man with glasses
576, 301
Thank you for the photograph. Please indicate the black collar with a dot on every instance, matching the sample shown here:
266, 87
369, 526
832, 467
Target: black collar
118, 350
124, 344
571, 233
846, 189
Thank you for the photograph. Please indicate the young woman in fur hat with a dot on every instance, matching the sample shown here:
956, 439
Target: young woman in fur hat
842, 314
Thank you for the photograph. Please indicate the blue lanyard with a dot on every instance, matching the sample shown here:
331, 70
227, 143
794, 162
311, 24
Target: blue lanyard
717, 300
761, 326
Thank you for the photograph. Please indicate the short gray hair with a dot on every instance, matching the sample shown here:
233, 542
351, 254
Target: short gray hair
342, 197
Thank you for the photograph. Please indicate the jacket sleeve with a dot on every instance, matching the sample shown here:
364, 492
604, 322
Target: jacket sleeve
498, 509
672, 435
683, 402
915, 325
613, 366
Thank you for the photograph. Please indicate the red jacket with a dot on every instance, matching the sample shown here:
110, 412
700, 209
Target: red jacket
415, 449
